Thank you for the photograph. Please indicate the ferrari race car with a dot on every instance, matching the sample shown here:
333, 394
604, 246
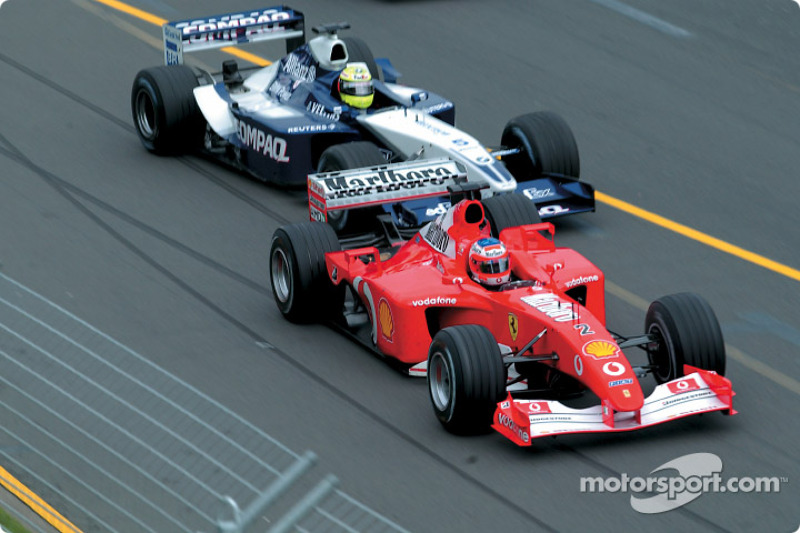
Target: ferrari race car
506, 356
284, 121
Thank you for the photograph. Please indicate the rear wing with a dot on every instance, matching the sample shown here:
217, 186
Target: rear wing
192, 35
383, 184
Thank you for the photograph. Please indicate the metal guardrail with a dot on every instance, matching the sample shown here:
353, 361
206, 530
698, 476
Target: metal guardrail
118, 444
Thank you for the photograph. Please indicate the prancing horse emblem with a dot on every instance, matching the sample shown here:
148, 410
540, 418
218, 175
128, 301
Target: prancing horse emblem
513, 326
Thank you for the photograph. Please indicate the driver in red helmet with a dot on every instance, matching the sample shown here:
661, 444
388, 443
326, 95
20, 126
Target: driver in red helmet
489, 262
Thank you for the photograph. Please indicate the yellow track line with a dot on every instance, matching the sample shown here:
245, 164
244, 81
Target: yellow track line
241, 54
38, 505
699, 236
138, 13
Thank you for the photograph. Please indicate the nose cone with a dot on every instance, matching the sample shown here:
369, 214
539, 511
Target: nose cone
625, 394
611, 377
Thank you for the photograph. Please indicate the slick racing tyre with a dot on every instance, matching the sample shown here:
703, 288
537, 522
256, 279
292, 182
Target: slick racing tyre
466, 378
345, 157
686, 332
165, 112
300, 283
358, 52
546, 145
509, 210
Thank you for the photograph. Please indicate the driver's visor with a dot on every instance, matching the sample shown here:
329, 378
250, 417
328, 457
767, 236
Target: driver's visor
494, 266
356, 88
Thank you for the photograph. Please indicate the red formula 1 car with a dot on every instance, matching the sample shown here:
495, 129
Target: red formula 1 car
505, 356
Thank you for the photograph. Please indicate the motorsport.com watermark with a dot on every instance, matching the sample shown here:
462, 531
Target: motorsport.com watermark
697, 473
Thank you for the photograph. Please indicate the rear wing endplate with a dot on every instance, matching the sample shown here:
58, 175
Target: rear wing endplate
192, 35
383, 184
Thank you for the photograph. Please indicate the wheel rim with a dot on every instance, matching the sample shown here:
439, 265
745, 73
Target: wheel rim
145, 115
527, 155
281, 276
439, 380
660, 356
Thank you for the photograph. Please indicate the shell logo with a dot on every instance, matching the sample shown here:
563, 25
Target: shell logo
601, 349
385, 319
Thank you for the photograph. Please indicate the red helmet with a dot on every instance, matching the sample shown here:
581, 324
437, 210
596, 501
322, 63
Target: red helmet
488, 262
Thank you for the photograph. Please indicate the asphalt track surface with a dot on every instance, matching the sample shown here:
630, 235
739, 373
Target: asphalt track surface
684, 109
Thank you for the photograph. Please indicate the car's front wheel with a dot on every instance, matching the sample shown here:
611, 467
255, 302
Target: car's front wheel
508, 211
546, 146
466, 378
686, 331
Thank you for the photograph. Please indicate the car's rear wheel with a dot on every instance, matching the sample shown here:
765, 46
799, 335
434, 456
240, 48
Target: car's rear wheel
686, 331
165, 112
300, 283
466, 378
509, 210
345, 157
546, 144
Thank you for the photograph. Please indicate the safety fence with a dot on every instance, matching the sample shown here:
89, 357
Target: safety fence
117, 444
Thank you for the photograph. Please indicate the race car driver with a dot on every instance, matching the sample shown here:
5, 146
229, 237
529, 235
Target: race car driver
355, 86
489, 262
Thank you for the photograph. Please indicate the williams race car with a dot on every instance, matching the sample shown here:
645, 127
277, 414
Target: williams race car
295, 116
506, 325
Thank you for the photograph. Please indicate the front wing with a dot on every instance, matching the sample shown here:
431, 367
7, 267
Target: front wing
700, 391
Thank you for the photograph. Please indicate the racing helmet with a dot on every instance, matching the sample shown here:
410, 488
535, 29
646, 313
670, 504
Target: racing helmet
355, 85
489, 262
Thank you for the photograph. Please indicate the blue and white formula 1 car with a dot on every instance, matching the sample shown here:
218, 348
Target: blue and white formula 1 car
285, 121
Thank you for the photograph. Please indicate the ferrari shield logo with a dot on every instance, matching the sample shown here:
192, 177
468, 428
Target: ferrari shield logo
513, 326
